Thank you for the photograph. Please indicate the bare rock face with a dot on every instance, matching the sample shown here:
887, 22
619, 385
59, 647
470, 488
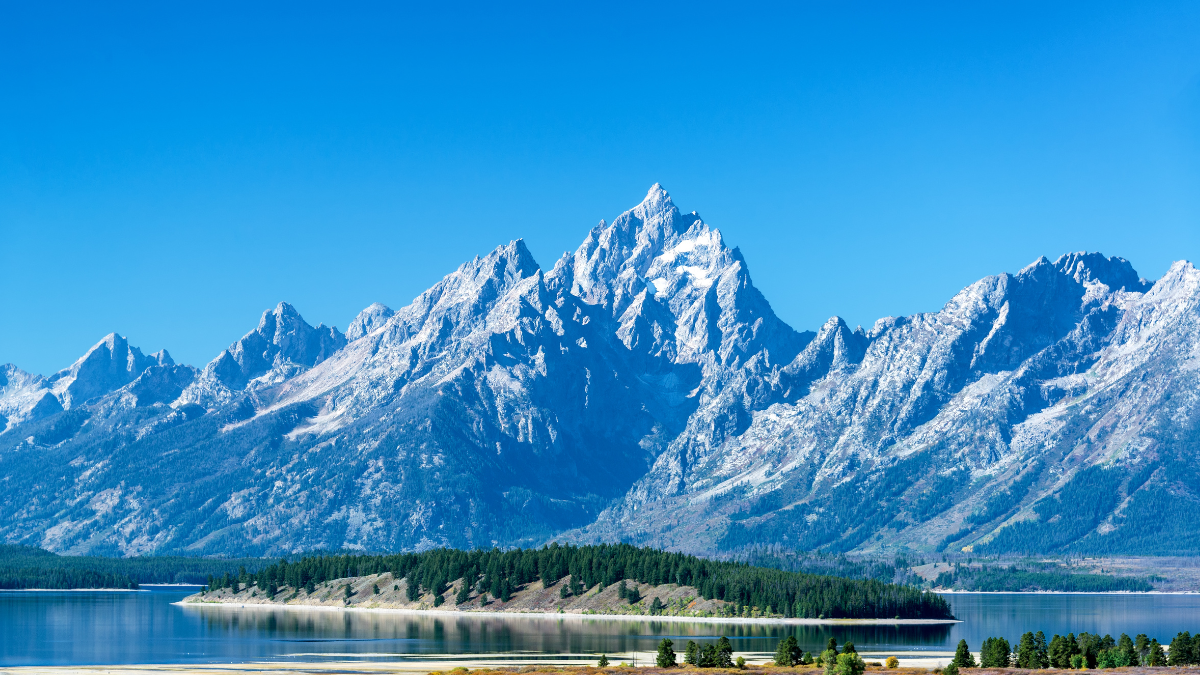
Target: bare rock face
641, 390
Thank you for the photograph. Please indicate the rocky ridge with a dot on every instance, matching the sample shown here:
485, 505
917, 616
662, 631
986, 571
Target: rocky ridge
641, 390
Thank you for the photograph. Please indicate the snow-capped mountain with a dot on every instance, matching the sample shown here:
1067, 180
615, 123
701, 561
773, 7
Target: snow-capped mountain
641, 390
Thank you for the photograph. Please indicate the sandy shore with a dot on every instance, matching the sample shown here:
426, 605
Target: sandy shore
556, 616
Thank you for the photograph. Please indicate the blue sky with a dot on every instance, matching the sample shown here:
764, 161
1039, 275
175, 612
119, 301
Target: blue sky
170, 172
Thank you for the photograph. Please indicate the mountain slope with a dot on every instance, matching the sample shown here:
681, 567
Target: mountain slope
983, 425
641, 390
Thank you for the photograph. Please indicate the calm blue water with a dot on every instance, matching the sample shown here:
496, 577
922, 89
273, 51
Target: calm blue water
45, 628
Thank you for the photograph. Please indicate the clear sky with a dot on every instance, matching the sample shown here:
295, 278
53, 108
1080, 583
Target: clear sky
168, 171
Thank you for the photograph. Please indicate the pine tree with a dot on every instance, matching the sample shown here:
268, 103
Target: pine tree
1126, 647
666, 655
785, 653
724, 653
1061, 650
691, 654
1180, 651
1027, 653
603, 662
963, 657
995, 653
1155, 656
708, 656
1141, 645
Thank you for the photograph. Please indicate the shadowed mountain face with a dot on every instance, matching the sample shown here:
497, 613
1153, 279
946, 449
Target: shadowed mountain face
641, 390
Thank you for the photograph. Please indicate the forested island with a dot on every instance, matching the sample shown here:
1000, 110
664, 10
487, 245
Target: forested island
602, 579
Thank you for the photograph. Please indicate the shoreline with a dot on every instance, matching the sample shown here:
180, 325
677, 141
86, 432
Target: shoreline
72, 590
558, 616
949, 592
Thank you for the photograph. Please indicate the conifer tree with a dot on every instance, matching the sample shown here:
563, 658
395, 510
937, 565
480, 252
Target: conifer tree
963, 657
724, 653
1155, 656
691, 654
995, 653
1180, 651
1126, 647
785, 653
1029, 652
1141, 645
666, 655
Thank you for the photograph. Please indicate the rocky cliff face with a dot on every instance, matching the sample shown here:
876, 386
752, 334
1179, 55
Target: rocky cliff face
641, 390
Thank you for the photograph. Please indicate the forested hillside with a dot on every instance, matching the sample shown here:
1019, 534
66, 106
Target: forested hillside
498, 574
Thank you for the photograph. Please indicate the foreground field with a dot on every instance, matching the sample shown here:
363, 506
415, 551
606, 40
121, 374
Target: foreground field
414, 668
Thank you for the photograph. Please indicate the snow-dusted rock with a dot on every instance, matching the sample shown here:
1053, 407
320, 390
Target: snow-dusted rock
640, 390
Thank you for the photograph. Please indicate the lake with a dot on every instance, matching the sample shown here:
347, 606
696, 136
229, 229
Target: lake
64, 628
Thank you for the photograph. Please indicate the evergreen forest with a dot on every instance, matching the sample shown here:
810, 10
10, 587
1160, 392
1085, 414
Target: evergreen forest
30, 567
500, 573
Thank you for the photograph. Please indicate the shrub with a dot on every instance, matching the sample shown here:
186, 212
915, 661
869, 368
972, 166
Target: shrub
850, 663
892, 662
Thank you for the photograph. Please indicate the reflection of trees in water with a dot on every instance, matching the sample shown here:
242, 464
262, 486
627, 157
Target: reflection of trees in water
465, 634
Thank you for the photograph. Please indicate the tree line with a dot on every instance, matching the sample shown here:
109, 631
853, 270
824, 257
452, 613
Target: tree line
31, 567
500, 573
1078, 652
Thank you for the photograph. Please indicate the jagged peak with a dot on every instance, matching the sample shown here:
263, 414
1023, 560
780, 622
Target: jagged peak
283, 313
163, 358
511, 261
656, 200
371, 318
1034, 266
1117, 273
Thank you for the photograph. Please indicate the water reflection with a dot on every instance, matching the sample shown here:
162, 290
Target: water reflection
435, 633
98, 628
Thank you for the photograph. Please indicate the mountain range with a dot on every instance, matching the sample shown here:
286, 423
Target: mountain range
641, 390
